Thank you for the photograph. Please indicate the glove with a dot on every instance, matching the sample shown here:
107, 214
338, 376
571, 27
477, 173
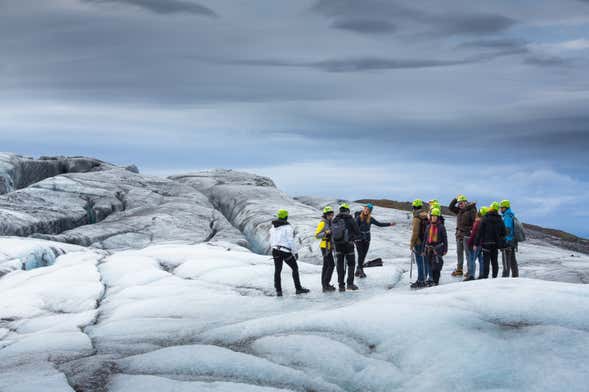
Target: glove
297, 256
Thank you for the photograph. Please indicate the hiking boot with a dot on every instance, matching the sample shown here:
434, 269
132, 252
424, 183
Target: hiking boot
429, 283
302, 290
417, 285
328, 289
360, 273
352, 287
342, 288
279, 293
457, 272
468, 278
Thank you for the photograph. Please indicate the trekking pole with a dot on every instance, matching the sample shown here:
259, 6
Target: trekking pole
411, 268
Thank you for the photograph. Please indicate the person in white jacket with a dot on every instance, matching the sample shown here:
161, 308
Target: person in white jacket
282, 241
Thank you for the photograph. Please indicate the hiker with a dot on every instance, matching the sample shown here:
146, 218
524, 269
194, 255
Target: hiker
436, 245
434, 203
323, 233
345, 231
465, 215
418, 225
282, 241
478, 254
364, 220
508, 253
490, 238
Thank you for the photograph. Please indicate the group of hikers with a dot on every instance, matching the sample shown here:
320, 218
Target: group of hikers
480, 235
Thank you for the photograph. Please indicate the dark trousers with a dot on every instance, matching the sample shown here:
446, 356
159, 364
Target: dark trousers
509, 263
436, 263
289, 259
328, 267
491, 254
345, 253
362, 248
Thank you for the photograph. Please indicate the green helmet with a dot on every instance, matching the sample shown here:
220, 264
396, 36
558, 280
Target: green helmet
417, 203
505, 204
483, 211
435, 204
328, 210
494, 206
461, 198
282, 214
433, 201
345, 206
436, 212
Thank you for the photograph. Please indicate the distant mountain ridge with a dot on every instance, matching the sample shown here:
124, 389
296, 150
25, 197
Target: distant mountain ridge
534, 233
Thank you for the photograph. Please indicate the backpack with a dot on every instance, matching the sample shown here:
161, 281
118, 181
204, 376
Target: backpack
339, 230
519, 233
422, 228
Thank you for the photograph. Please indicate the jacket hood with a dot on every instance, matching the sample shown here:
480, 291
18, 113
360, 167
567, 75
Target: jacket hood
279, 222
420, 212
470, 206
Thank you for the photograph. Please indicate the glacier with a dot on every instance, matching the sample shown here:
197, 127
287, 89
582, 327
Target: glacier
170, 289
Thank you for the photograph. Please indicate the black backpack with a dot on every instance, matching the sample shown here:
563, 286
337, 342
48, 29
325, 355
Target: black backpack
422, 228
339, 230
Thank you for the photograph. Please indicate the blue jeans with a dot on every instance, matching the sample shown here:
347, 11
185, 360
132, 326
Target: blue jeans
423, 269
472, 265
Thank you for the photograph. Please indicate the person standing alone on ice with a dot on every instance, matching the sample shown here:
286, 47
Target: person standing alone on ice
364, 220
323, 233
436, 244
282, 241
465, 215
345, 231
509, 260
418, 225
490, 238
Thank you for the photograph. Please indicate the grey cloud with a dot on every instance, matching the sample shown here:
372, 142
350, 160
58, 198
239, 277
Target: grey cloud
375, 63
358, 64
476, 24
395, 13
493, 48
365, 26
164, 7
502, 44
547, 61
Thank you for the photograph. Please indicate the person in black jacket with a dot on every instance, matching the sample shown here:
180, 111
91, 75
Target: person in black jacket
344, 232
436, 244
364, 220
491, 238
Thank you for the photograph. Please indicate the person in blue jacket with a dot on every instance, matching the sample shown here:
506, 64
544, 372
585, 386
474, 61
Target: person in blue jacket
364, 220
508, 253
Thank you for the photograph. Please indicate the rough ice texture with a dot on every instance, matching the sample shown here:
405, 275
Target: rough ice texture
190, 309
203, 317
250, 203
18, 172
113, 209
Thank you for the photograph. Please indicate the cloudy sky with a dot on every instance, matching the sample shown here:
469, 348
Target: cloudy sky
373, 98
